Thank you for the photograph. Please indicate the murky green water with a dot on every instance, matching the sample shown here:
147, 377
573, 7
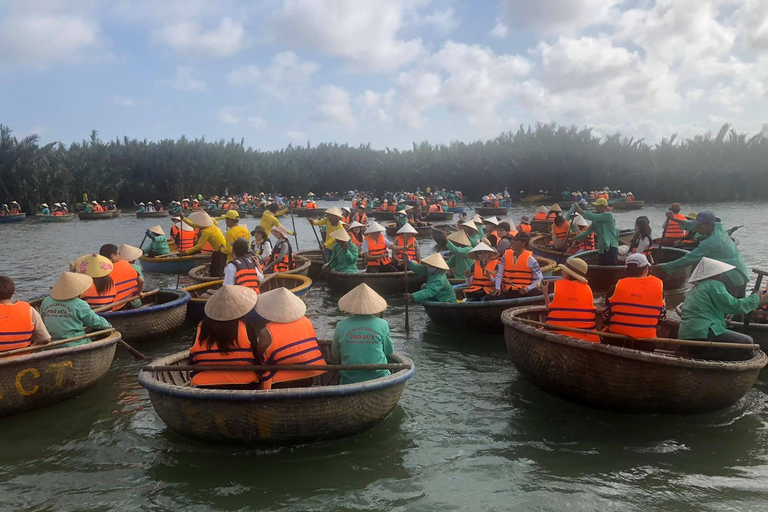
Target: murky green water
469, 434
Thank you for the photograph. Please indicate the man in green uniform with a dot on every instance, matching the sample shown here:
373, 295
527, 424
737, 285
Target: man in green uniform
459, 246
604, 226
159, 245
344, 256
65, 314
438, 288
363, 338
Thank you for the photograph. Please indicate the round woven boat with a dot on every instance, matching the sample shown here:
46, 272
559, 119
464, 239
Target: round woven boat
422, 231
277, 416
441, 231
380, 215
387, 283
160, 315
758, 331
491, 212
47, 377
620, 379
56, 218
201, 274
437, 216
256, 212
173, 264
116, 213
539, 245
95, 216
151, 215
309, 212
628, 205
316, 261
541, 226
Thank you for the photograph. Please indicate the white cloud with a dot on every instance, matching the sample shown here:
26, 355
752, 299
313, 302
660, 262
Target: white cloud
184, 80
334, 106
375, 107
554, 16
232, 116
296, 136
227, 115
499, 31
443, 21
126, 101
288, 76
256, 122
363, 34
245, 75
190, 37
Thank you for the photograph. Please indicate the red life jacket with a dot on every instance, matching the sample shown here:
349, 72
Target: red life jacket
573, 306
517, 272
16, 327
241, 354
292, 343
245, 273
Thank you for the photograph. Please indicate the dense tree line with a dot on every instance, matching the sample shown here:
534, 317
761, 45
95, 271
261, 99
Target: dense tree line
723, 166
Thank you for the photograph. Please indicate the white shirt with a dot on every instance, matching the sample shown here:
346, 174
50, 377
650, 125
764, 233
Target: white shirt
532, 264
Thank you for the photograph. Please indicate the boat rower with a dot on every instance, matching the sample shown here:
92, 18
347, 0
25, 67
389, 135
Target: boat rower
344, 256
438, 288
65, 314
209, 234
159, 244
20, 325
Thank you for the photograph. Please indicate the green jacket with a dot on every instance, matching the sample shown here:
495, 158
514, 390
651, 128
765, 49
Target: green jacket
705, 308
344, 260
604, 227
438, 288
362, 339
717, 246
159, 245
459, 260
69, 318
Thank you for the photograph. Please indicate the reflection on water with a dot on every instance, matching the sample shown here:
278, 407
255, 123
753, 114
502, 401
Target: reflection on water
469, 434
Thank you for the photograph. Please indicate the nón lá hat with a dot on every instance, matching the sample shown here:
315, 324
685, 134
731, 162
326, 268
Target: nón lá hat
407, 229
281, 306
230, 302
709, 267
129, 252
460, 238
480, 248
201, 219
93, 265
157, 230
362, 300
374, 227
435, 260
341, 235
70, 285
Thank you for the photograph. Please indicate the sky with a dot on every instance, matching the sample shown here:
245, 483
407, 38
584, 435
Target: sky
384, 72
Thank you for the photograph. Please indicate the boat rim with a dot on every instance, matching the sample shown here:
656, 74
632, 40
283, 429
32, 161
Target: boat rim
182, 298
682, 253
112, 339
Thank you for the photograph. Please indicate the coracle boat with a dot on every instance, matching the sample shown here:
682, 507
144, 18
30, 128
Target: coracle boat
116, 213
55, 218
277, 416
151, 215
423, 231
380, 215
438, 216
47, 377
309, 212
385, 283
172, 264
441, 231
532, 199
491, 212
541, 226
256, 212
539, 245
603, 277
315, 257
456, 209
622, 379
201, 273
628, 205
96, 215
296, 284
9, 219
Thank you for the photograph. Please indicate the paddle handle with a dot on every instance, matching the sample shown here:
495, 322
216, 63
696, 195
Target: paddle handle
107, 307
135, 353
322, 253
276, 367
295, 233
405, 278
758, 283
32, 348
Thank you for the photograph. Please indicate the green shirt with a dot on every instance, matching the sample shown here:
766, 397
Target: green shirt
137, 303
69, 318
604, 227
362, 339
459, 260
438, 288
705, 308
717, 246
159, 245
344, 260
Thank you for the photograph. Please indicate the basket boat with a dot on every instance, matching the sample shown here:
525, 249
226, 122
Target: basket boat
441, 231
201, 274
603, 277
438, 216
56, 218
116, 213
491, 212
628, 205
386, 283
423, 231
380, 215
47, 377
533, 199
96, 215
256, 212
160, 315
621, 379
456, 209
309, 212
315, 257
173, 264
541, 226
539, 245
151, 215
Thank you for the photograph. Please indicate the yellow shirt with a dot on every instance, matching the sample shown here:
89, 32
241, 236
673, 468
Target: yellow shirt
210, 234
269, 220
329, 228
233, 234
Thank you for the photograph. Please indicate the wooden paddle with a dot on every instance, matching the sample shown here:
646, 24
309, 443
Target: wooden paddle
107, 307
758, 283
664, 232
295, 234
33, 348
276, 367
405, 274
322, 253
673, 341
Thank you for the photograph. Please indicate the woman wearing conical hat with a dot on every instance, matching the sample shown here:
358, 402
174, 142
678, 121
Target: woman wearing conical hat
405, 244
159, 245
65, 314
331, 222
705, 307
438, 288
363, 338
345, 253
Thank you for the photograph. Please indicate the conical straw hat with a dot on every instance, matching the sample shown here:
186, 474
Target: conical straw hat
435, 260
481, 247
333, 210
492, 220
341, 235
157, 230
555, 208
580, 221
707, 268
201, 219
129, 252
281, 306
355, 224
375, 227
230, 302
186, 227
477, 219
93, 265
541, 209
470, 225
362, 300
460, 238
70, 285
407, 228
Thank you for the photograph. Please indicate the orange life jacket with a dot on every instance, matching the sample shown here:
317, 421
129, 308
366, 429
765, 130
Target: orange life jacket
245, 273
496, 203
410, 249
241, 354
393, 207
561, 231
195, 206
635, 306
518, 273
630, 199
346, 218
97, 208
648, 251
185, 240
433, 208
16, 327
355, 239
311, 206
588, 244
573, 306
551, 215
675, 230
482, 280
292, 343
525, 228
362, 218
376, 247
540, 216
95, 300
286, 262
125, 279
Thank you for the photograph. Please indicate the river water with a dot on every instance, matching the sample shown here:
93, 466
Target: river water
470, 433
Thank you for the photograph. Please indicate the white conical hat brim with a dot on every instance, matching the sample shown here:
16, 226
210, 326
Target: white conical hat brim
186, 227
129, 252
281, 306
435, 260
375, 227
555, 208
707, 268
362, 300
356, 224
470, 225
201, 219
479, 248
333, 211
460, 237
341, 235
407, 228
157, 230
492, 220
70, 285
541, 209
230, 302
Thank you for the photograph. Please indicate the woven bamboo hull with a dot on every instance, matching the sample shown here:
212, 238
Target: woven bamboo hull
116, 213
151, 215
280, 416
624, 380
173, 264
439, 216
309, 212
628, 205
532, 199
390, 283
440, 231
381, 215
258, 212
316, 261
166, 316
423, 231
759, 332
456, 209
48, 377
538, 245
200, 273
491, 212
56, 218
10, 219
602, 277
541, 226
95, 216
475, 316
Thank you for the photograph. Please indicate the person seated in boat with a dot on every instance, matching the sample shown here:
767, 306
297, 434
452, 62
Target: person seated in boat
554, 211
401, 218
561, 232
405, 245
159, 244
311, 205
182, 234
588, 244
15, 208
65, 314
630, 197
716, 244
20, 324
346, 215
490, 226
518, 273
437, 288
705, 307
261, 246
525, 225
344, 255
140, 208
224, 338
361, 217
4, 211
331, 222
96, 207
150, 207
480, 278
459, 246
541, 213
642, 240
672, 231
573, 303
58, 210
159, 206
128, 282
243, 270
288, 338
44, 210
635, 306
132, 254
356, 234
281, 259
234, 232
604, 226
210, 238
504, 234
111, 206
102, 291
376, 250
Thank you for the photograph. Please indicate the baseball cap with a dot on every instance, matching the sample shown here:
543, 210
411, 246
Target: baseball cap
706, 218
638, 259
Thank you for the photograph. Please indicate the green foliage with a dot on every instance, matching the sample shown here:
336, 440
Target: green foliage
707, 167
